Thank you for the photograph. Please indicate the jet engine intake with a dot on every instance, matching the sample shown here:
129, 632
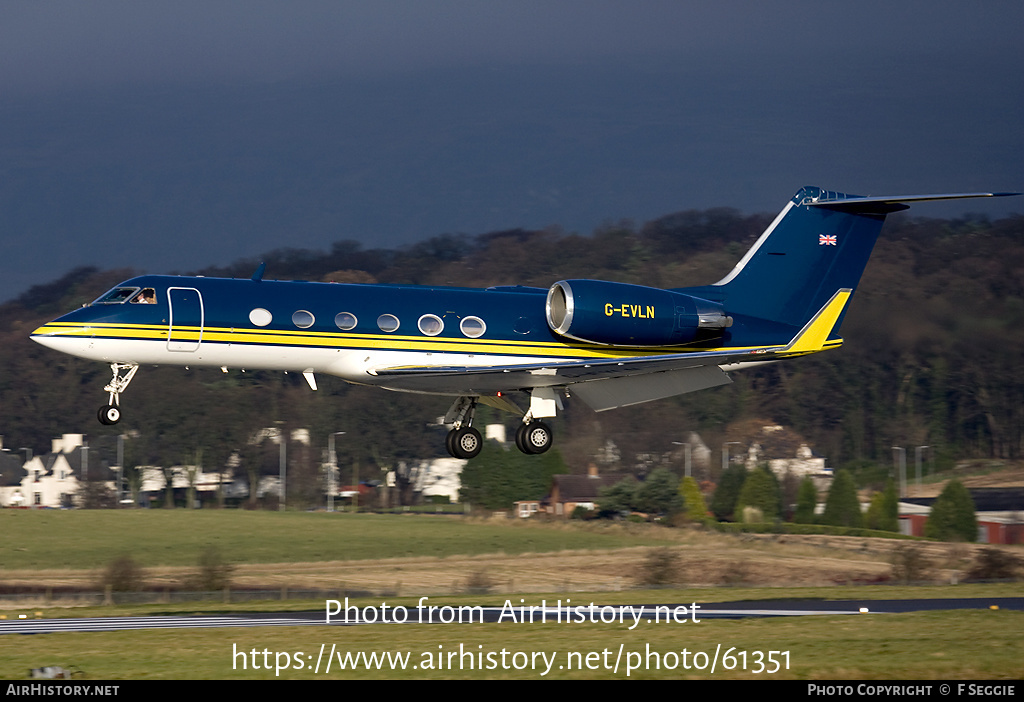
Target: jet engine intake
619, 314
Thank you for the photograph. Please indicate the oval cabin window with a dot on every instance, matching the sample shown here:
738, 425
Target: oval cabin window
345, 321
387, 322
431, 324
261, 317
473, 327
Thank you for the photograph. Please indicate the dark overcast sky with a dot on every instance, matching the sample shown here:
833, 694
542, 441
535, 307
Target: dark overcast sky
172, 136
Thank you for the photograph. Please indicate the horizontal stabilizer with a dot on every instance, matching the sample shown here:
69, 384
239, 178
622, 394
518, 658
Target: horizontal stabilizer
882, 204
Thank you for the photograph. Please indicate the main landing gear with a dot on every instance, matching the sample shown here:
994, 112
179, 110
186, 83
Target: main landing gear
463, 441
111, 413
533, 437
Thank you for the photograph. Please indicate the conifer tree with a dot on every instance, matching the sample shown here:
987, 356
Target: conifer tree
890, 508
842, 507
694, 507
806, 501
659, 493
723, 503
873, 517
952, 517
760, 491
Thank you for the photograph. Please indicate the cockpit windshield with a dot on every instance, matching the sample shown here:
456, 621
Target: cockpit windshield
119, 296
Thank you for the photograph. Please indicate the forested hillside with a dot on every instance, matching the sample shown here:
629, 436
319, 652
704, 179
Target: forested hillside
933, 352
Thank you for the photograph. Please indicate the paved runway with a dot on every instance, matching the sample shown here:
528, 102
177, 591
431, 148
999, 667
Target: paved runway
720, 610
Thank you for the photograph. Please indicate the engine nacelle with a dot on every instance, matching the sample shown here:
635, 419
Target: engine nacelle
619, 314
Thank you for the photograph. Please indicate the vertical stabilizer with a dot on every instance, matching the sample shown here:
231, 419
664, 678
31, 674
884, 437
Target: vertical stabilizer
807, 254
818, 245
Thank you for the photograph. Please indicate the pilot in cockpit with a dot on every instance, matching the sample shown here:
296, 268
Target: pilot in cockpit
146, 296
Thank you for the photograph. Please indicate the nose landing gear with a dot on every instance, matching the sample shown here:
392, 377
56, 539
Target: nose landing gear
111, 413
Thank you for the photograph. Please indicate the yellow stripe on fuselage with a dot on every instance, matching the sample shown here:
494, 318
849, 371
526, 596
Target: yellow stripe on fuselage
354, 341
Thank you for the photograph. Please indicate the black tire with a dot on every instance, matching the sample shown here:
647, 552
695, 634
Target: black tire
109, 414
521, 439
466, 443
449, 443
538, 437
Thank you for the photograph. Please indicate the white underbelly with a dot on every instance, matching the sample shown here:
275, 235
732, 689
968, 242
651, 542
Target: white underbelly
356, 365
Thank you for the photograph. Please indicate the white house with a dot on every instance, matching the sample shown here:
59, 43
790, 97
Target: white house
54, 479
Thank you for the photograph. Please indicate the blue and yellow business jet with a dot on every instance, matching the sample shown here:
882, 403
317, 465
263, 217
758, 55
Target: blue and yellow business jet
609, 344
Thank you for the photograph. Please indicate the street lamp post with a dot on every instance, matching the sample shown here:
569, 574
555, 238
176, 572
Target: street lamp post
687, 457
332, 469
900, 459
725, 454
120, 470
86, 496
917, 457
282, 468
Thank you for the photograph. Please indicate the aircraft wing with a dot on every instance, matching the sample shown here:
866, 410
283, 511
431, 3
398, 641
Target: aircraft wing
602, 384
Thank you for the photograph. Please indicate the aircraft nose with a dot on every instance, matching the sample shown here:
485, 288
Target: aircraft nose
74, 339
44, 335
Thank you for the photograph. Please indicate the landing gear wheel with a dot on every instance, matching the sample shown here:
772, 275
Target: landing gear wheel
534, 438
109, 414
464, 443
521, 438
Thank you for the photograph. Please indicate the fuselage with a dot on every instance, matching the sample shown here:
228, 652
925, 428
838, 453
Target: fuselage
345, 330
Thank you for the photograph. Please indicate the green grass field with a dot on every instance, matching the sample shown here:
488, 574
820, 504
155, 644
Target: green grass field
47, 539
928, 645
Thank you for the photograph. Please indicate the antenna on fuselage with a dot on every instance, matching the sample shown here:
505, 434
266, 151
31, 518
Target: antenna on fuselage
257, 276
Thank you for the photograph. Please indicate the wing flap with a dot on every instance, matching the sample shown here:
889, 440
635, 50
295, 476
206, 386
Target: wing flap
470, 380
601, 395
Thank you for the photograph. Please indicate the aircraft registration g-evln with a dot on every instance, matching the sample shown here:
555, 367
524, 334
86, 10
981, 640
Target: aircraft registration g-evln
609, 344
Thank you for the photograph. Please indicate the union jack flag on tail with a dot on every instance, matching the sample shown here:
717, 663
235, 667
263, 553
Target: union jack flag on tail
826, 240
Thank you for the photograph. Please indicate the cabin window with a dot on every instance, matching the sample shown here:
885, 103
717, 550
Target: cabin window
146, 296
345, 321
430, 324
261, 317
387, 322
473, 327
303, 319
117, 296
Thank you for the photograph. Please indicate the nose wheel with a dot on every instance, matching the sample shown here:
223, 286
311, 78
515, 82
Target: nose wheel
110, 413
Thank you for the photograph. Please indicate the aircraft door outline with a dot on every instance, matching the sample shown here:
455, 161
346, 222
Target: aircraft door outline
187, 313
